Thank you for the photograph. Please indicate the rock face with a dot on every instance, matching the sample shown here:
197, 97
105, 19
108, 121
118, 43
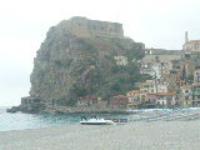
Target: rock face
79, 58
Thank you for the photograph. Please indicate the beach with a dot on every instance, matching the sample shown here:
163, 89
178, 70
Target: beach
161, 135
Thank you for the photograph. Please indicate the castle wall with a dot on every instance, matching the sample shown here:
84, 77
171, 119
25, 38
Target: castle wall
83, 27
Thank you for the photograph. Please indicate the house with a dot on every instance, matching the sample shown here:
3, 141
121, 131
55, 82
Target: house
134, 98
178, 73
153, 86
87, 101
163, 99
158, 62
197, 76
196, 94
145, 88
152, 69
162, 87
121, 60
186, 97
119, 101
148, 86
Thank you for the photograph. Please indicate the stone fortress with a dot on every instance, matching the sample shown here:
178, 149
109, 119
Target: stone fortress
75, 64
83, 27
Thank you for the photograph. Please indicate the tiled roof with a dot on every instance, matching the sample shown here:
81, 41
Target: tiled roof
164, 94
193, 42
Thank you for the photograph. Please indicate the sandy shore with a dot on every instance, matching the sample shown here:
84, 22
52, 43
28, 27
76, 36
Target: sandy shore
137, 136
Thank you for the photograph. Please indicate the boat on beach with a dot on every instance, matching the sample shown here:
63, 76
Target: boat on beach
96, 121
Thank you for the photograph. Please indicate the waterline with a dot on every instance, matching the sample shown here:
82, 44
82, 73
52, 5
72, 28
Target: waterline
21, 121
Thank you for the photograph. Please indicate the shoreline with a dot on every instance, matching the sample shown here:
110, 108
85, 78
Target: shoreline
69, 110
82, 110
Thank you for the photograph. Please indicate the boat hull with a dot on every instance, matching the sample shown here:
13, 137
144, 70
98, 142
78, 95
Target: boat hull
96, 123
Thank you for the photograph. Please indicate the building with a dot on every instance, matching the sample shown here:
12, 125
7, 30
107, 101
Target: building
134, 98
83, 27
197, 76
159, 51
196, 95
162, 87
121, 60
87, 101
145, 88
177, 74
163, 99
119, 101
191, 45
153, 86
186, 98
158, 63
149, 86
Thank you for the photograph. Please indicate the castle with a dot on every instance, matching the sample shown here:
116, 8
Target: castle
83, 27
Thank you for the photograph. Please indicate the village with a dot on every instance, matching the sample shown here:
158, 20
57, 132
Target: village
175, 80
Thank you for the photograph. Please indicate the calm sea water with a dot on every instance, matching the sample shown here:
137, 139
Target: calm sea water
20, 121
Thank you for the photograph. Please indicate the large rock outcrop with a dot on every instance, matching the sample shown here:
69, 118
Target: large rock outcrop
79, 58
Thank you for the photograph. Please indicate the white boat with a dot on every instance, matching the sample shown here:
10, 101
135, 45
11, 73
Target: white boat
96, 121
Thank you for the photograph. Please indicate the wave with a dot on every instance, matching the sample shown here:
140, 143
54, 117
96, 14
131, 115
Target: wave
178, 114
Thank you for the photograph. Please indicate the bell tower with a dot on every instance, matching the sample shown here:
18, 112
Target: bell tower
186, 37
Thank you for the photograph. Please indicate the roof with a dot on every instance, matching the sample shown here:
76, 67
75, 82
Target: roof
193, 42
186, 87
164, 94
196, 85
161, 51
133, 93
119, 100
147, 82
162, 58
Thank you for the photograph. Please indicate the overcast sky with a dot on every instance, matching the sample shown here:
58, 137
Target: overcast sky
24, 23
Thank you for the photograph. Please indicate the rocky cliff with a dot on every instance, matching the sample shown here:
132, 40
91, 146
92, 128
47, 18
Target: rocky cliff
82, 58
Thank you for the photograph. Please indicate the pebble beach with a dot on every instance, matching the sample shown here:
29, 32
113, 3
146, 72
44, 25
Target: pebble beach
160, 135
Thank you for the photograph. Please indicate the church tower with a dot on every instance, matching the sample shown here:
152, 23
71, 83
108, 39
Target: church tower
186, 37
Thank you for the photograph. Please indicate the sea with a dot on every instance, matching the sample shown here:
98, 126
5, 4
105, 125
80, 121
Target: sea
21, 121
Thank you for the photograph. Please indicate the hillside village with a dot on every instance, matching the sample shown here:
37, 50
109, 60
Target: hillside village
175, 78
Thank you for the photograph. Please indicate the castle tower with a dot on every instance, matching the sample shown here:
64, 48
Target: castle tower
186, 37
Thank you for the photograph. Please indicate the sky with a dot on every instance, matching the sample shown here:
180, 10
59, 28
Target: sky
24, 23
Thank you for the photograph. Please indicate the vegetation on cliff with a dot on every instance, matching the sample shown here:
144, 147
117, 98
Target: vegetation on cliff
69, 66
